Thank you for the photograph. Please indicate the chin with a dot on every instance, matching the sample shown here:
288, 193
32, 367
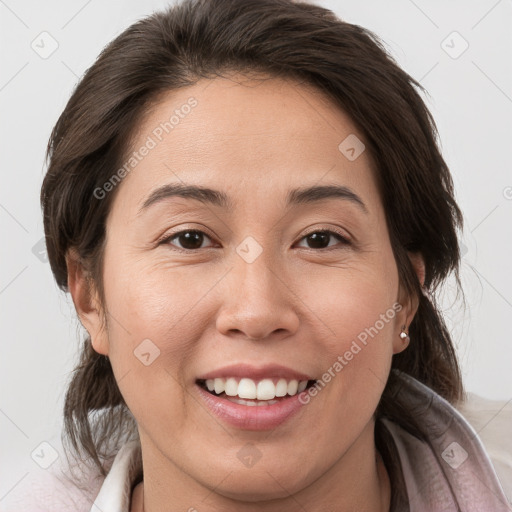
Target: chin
265, 483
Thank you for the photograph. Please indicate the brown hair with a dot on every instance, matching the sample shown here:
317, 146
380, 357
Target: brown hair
279, 38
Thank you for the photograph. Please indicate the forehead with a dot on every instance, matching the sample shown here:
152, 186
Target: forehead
249, 134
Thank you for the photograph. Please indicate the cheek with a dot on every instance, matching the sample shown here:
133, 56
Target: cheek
353, 299
355, 362
357, 308
153, 332
157, 301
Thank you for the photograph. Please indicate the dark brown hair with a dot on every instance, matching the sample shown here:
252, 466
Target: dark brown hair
278, 38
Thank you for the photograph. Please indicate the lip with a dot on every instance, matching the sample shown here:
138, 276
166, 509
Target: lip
256, 373
248, 417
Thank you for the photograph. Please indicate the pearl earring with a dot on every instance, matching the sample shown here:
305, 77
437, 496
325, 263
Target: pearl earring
403, 335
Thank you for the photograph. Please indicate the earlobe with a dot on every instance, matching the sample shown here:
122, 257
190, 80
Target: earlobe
86, 301
402, 338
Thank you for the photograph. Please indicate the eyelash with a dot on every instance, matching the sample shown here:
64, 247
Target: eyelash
344, 241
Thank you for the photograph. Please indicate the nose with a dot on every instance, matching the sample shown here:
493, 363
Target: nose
257, 301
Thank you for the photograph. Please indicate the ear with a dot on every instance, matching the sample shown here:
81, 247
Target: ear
409, 304
419, 265
86, 301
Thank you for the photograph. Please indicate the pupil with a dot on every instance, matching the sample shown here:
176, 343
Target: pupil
320, 240
190, 238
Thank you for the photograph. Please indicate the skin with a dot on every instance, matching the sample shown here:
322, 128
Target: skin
295, 305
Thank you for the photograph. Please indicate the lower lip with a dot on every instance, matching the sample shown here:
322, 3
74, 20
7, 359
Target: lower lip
264, 417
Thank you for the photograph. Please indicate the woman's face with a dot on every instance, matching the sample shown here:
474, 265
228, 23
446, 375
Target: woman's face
250, 289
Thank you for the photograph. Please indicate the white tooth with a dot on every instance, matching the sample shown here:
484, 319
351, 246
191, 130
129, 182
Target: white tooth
302, 385
219, 385
251, 403
281, 387
265, 390
292, 387
246, 388
231, 387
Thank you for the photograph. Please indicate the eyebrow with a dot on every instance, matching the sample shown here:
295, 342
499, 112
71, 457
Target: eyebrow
305, 195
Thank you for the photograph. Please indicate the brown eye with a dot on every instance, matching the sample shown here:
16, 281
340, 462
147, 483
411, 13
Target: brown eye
320, 239
189, 239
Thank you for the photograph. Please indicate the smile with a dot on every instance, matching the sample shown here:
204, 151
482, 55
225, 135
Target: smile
253, 399
250, 392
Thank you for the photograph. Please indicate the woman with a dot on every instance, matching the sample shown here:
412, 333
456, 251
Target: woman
247, 203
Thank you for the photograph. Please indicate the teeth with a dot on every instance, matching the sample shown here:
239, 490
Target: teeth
231, 387
281, 387
252, 402
219, 385
265, 390
249, 389
246, 388
292, 387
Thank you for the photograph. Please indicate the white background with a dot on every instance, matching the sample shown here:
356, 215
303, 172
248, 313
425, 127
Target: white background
470, 97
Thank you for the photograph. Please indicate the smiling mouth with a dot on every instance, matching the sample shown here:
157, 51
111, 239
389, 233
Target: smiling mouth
254, 393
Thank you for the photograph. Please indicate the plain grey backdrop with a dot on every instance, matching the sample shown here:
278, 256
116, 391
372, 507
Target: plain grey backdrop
460, 51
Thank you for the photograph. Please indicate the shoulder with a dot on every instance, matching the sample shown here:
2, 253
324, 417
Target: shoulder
455, 451
492, 421
54, 488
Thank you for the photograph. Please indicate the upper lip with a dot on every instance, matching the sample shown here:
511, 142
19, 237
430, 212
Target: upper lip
255, 373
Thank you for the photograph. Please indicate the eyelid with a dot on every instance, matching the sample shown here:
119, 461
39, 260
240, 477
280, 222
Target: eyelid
341, 233
344, 238
170, 235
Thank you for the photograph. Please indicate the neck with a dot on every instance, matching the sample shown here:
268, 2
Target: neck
357, 481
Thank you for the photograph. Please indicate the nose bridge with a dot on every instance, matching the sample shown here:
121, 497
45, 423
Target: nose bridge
256, 302
255, 267
255, 273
